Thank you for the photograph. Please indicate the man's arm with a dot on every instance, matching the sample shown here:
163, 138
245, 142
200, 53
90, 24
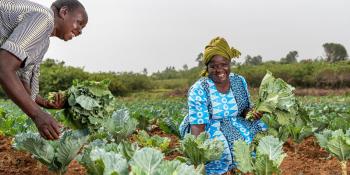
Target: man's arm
15, 90
57, 104
26, 87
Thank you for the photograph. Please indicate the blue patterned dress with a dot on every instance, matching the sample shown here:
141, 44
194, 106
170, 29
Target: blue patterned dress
221, 114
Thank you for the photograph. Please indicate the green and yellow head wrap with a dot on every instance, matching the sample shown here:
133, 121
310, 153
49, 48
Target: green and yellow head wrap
218, 46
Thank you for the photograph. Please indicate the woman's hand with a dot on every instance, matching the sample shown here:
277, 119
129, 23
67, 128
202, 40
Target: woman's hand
256, 115
197, 129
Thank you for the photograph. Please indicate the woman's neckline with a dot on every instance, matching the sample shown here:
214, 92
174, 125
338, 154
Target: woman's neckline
228, 89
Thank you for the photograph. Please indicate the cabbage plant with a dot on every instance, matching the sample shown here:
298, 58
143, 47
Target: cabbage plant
337, 143
89, 104
200, 150
268, 158
55, 154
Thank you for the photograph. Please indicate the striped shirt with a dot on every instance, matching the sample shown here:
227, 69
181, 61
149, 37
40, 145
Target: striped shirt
25, 30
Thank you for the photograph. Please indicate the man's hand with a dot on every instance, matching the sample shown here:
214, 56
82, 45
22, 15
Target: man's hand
47, 126
58, 103
15, 90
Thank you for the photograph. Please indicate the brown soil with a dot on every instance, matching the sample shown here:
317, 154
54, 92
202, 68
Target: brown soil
14, 162
309, 160
174, 143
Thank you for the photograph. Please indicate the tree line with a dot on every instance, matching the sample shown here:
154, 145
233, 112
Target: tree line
333, 71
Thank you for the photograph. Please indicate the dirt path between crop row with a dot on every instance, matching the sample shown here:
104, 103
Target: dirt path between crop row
309, 160
14, 162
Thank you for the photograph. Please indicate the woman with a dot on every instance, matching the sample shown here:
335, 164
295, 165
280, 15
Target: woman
218, 104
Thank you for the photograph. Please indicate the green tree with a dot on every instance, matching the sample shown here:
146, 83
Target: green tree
199, 59
291, 57
256, 60
185, 67
335, 52
144, 72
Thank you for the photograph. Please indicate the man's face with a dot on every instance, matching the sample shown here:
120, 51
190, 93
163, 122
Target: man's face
219, 69
72, 24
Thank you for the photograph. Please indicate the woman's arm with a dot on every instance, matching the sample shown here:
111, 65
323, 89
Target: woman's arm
197, 129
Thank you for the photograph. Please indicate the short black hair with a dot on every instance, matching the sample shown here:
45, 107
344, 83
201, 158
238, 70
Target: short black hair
70, 4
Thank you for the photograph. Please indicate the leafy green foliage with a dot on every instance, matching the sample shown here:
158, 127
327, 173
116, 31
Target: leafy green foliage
148, 161
330, 115
291, 57
269, 156
90, 104
312, 74
95, 164
336, 143
116, 128
109, 162
161, 143
200, 150
255, 60
107, 159
335, 52
275, 97
244, 162
13, 121
281, 108
55, 154
167, 114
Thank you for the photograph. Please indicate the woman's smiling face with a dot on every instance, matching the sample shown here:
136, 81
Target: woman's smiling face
219, 69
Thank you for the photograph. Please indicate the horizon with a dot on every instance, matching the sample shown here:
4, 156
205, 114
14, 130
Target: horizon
127, 36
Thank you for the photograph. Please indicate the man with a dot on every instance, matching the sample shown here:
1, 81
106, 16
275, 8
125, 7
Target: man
25, 31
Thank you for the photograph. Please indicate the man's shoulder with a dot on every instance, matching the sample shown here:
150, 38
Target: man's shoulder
43, 11
26, 7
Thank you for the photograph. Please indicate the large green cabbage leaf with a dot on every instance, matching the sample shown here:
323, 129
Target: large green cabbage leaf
335, 142
100, 158
55, 154
200, 150
148, 161
90, 103
275, 97
273, 148
269, 156
111, 163
145, 140
242, 156
125, 149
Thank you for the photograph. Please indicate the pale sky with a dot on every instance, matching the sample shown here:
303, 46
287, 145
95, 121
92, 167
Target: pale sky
130, 35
